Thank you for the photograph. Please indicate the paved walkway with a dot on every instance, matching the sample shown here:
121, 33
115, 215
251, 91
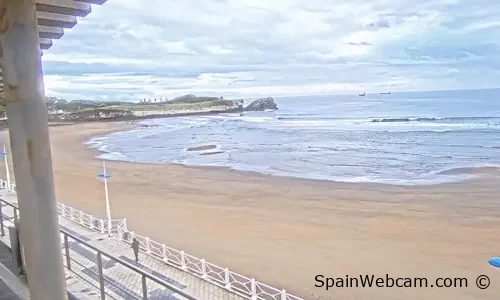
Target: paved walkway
122, 283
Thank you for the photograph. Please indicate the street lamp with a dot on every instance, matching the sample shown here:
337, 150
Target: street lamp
105, 176
7, 173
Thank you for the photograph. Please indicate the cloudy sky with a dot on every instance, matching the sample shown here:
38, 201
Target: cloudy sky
130, 49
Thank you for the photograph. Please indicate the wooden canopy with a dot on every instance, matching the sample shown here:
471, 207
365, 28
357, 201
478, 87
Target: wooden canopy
55, 15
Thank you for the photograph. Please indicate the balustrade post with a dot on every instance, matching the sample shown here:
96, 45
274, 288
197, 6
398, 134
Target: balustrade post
253, 289
66, 250
2, 230
164, 253
144, 288
203, 269
101, 276
102, 226
183, 261
148, 246
81, 217
125, 229
226, 279
283, 295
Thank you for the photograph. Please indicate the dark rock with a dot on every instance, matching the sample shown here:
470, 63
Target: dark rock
262, 104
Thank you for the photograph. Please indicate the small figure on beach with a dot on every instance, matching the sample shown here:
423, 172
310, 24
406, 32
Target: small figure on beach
135, 247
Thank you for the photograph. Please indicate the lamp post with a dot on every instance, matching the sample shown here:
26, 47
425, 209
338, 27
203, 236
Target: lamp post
105, 176
7, 173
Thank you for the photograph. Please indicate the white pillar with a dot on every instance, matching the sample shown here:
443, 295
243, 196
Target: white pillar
31, 154
7, 172
108, 208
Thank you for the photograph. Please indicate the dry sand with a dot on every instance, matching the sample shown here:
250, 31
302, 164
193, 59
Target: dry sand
286, 231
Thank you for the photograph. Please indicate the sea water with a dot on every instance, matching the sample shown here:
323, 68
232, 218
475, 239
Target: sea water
401, 138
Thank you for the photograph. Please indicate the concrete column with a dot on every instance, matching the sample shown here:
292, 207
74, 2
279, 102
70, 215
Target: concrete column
31, 155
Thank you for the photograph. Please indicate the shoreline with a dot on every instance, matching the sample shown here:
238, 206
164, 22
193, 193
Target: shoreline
271, 227
466, 173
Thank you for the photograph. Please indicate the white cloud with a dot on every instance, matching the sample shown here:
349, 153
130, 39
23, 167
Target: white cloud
127, 49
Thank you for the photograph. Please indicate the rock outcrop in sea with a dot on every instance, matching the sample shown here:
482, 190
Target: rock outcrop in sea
261, 104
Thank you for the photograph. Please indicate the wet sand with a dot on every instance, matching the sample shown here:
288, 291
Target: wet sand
285, 231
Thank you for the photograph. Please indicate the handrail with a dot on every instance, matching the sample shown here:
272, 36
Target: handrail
131, 266
100, 253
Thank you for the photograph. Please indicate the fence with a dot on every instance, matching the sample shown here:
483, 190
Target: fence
78, 216
90, 221
239, 284
107, 287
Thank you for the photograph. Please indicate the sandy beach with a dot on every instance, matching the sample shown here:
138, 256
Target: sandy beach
285, 231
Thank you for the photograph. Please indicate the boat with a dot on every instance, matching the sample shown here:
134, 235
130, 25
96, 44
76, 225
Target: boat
385, 93
362, 94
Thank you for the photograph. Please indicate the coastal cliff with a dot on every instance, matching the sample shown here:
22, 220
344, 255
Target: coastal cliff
187, 105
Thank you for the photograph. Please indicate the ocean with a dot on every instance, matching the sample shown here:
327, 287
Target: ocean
400, 138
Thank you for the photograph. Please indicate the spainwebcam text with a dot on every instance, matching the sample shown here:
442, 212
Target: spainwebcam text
373, 281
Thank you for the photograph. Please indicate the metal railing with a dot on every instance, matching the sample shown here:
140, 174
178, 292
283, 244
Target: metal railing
78, 216
93, 271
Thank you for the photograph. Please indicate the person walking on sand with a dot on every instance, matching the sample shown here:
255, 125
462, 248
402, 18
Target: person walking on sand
135, 247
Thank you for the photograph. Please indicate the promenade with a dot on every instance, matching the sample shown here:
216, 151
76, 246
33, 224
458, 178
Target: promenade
121, 283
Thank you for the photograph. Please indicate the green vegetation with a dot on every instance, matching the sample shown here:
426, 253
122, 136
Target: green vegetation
186, 102
171, 106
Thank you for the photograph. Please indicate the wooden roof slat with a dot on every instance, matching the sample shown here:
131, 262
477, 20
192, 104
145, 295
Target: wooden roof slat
53, 16
55, 20
49, 32
97, 2
64, 7
45, 43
